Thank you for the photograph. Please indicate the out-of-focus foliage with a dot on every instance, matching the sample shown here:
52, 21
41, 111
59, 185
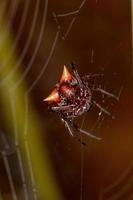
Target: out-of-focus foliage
24, 125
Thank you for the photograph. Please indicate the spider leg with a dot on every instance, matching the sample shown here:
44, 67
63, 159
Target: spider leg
69, 128
108, 93
75, 72
72, 127
67, 125
86, 132
87, 77
61, 108
102, 109
89, 134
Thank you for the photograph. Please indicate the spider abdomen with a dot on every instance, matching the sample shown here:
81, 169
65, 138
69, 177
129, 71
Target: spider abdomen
71, 96
68, 91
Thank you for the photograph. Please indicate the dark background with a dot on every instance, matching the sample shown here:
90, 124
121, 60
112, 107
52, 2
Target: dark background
99, 41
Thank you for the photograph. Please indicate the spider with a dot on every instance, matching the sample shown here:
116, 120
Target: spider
72, 97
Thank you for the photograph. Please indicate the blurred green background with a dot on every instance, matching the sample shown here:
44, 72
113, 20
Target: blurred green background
39, 159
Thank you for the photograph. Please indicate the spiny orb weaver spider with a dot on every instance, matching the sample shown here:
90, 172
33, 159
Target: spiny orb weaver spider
72, 97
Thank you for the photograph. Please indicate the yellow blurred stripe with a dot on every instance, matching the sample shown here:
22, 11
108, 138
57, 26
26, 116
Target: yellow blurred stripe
45, 181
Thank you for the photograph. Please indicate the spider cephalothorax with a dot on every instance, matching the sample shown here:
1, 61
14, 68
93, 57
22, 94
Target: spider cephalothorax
72, 97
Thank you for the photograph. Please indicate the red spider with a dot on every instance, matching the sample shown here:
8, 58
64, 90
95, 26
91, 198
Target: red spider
72, 97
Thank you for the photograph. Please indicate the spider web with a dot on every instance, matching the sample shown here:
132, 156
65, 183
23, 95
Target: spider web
61, 34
